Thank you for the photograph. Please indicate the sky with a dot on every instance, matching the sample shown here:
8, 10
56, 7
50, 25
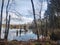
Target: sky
21, 10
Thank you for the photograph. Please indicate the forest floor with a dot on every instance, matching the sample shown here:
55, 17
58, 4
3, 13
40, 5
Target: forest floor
30, 42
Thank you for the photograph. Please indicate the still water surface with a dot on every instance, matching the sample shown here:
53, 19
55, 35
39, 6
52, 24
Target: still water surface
24, 36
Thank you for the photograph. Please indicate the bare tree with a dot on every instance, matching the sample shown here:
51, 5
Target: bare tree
41, 6
7, 31
6, 19
1, 17
46, 23
35, 19
46, 26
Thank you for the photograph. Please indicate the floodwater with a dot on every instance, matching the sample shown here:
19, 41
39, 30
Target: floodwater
25, 36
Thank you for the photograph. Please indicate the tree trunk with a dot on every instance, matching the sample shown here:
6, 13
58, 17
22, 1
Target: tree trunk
16, 32
35, 19
20, 30
1, 17
46, 23
6, 20
46, 26
40, 18
8, 28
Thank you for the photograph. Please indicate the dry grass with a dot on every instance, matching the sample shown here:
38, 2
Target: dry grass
30, 42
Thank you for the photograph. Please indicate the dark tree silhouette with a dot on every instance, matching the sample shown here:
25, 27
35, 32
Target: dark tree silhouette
8, 27
6, 20
41, 2
20, 30
1, 17
46, 23
35, 23
16, 32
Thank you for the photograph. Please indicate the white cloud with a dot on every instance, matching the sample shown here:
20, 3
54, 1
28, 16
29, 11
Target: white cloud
25, 19
22, 6
17, 20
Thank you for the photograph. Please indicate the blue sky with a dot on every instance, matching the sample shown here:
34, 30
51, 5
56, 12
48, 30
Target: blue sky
24, 8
